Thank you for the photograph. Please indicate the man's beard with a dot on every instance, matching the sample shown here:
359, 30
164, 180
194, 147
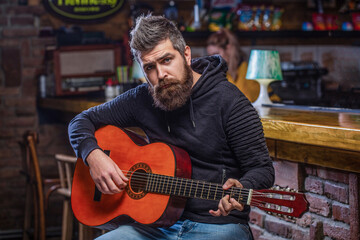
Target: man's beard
175, 94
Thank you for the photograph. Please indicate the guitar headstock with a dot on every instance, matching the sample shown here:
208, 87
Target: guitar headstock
282, 202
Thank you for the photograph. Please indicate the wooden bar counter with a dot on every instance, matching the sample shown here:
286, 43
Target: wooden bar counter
309, 135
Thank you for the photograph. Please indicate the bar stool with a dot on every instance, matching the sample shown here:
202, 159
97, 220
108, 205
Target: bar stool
35, 183
66, 165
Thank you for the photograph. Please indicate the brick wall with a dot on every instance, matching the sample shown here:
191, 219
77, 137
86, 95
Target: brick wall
21, 62
333, 198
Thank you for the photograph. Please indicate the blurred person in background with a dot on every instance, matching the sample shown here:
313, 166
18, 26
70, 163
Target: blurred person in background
227, 46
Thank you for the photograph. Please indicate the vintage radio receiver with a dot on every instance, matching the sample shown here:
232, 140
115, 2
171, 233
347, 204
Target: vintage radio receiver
81, 69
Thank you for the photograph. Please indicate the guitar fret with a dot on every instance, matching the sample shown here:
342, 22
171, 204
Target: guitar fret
208, 191
167, 185
151, 182
163, 184
239, 199
231, 192
155, 182
190, 187
215, 191
175, 186
157, 187
180, 186
171, 180
184, 194
160, 182
197, 184
202, 190
147, 182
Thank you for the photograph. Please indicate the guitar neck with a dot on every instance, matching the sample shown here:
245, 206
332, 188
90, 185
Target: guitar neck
277, 201
189, 188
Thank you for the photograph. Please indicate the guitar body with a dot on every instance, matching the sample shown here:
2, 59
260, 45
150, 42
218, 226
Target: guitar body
128, 151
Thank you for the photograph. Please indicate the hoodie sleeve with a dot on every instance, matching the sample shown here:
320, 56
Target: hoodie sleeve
81, 129
246, 139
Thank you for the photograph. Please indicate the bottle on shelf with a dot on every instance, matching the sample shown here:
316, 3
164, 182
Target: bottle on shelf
109, 89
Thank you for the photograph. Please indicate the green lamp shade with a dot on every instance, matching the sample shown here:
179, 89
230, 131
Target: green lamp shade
264, 64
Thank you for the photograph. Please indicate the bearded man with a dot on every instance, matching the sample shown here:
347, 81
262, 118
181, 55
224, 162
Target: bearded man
190, 104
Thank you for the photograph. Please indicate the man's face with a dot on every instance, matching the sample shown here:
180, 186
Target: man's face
169, 75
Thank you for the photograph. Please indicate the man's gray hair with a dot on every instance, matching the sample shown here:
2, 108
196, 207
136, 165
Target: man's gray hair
150, 30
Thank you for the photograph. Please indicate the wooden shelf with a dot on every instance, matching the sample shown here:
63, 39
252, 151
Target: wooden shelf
284, 37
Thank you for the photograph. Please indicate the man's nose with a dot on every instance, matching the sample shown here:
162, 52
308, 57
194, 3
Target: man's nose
161, 72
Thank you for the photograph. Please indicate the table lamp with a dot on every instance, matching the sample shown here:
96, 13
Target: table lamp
264, 67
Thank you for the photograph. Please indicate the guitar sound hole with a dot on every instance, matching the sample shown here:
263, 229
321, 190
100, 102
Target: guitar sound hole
138, 181
138, 175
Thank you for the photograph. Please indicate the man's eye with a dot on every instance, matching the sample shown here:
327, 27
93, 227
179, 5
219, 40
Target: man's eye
148, 68
167, 60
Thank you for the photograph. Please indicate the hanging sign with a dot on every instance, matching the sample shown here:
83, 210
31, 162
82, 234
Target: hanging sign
83, 10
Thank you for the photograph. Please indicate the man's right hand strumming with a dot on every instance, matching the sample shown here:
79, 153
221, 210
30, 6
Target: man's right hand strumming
107, 176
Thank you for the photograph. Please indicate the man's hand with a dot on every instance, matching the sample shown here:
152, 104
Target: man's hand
107, 176
227, 204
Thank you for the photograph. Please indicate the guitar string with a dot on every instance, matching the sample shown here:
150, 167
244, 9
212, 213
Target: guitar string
254, 202
144, 177
138, 180
213, 193
184, 188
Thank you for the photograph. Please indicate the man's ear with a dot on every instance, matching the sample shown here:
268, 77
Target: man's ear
187, 55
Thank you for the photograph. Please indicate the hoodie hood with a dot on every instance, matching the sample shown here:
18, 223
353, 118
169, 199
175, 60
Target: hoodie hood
213, 71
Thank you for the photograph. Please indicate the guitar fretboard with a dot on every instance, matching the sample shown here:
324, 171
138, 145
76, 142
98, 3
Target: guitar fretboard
189, 188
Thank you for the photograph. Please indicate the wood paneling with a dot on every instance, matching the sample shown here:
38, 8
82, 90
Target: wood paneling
316, 155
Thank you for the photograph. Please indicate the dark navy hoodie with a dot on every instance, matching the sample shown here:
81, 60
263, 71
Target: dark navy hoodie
218, 127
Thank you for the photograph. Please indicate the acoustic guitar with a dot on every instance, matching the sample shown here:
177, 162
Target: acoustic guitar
159, 183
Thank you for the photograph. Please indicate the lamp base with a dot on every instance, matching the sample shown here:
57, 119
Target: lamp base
263, 96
